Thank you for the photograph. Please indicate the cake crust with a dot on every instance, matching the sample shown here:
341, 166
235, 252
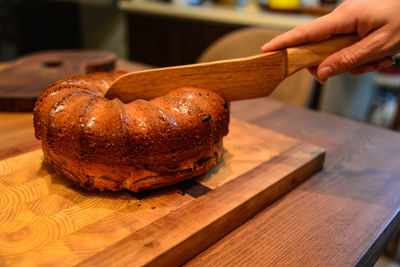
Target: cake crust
106, 144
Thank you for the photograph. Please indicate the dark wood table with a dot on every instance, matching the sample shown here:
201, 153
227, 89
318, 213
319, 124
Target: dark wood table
344, 215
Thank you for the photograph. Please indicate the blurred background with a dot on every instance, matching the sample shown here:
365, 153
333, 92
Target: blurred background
175, 32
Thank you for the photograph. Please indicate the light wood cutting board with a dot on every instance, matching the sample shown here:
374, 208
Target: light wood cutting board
45, 219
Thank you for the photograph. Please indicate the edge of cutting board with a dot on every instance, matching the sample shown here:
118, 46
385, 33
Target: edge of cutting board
175, 239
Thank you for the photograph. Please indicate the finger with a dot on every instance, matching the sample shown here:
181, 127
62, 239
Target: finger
386, 62
369, 67
313, 72
316, 30
369, 49
299, 35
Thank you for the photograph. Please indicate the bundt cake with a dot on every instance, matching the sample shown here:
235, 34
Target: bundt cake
106, 144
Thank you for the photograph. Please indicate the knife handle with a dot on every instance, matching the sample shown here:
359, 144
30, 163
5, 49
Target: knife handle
312, 54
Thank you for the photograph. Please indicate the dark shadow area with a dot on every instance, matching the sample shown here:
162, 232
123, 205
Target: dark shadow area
28, 26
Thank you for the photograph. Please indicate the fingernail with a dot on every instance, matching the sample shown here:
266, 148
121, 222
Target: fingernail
325, 72
264, 46
383, 64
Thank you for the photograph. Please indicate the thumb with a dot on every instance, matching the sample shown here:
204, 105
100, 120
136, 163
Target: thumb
348, 58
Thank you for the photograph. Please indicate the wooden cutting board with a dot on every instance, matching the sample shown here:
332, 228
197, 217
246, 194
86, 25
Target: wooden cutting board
46, 219
22, 81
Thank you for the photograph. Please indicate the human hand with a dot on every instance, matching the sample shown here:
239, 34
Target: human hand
377, 23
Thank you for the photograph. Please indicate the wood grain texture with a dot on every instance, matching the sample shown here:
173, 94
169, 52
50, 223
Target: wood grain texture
235, 79
180, 235
247, 42
16, 128
17, 134
318, 222
343, 216
46, 219
22, 81
312, 54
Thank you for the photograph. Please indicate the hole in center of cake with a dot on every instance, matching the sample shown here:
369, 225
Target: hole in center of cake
52, 63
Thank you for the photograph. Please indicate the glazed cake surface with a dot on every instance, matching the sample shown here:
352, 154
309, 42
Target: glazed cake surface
106, 144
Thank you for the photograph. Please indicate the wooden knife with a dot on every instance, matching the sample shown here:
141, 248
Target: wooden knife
234, 79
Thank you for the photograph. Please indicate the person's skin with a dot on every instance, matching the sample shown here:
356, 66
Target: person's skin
377, 22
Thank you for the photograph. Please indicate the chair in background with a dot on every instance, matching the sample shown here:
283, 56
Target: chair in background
247, 42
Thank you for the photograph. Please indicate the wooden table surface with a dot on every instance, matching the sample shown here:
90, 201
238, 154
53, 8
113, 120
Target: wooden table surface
344, 215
